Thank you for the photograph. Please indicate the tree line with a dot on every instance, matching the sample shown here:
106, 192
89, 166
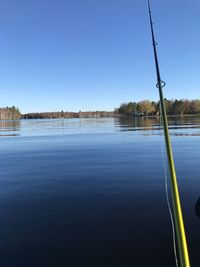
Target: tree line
10, 113
173, 107
65, 114
141, 108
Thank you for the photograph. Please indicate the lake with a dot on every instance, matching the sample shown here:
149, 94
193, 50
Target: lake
91, 192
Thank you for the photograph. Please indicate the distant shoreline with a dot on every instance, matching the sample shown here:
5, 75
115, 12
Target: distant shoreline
104, 116
143, 109
62, 114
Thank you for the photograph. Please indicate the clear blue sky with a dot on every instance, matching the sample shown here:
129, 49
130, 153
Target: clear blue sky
95, 54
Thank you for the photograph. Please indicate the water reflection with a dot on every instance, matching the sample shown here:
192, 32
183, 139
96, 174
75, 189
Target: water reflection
197, 208
145, 126
83, 195
178, 126
10, 127
136, 123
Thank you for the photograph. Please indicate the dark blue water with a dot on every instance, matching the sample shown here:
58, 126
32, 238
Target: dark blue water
91, 192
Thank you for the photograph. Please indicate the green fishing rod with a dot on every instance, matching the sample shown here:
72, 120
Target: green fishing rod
176, 205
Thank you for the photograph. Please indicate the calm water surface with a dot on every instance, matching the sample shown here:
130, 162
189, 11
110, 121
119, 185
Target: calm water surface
91, 192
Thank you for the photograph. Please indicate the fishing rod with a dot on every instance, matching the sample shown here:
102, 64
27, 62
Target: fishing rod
176, 204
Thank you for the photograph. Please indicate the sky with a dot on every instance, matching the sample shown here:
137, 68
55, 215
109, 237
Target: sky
83, 55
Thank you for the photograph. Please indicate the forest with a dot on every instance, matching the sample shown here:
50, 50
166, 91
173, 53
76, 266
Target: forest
141, 108
10, 113
173, 107
66, 114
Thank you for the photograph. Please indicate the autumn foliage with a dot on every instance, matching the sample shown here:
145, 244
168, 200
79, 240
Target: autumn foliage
173, 107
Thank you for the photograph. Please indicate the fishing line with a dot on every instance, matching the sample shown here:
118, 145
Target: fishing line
167, 193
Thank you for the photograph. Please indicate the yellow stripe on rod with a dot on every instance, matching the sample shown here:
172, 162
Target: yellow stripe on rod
177, 211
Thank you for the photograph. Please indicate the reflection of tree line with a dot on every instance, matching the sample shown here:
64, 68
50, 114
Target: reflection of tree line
138, 122
135, 122
173, 107
10, 126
